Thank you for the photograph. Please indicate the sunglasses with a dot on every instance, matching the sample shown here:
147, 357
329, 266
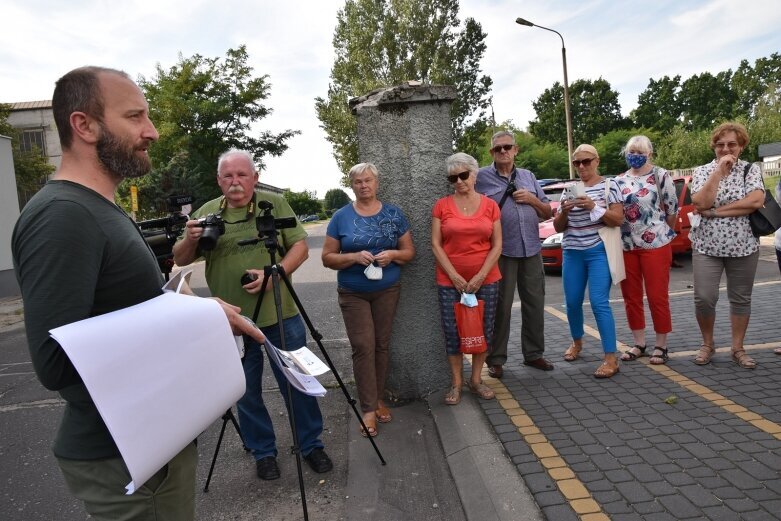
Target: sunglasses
499, 148
585, 162
455, 177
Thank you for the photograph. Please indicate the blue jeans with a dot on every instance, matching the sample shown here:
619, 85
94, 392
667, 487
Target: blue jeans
589, 266
256, 427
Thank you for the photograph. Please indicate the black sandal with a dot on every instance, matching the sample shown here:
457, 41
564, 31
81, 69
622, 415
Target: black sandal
663, 357
628, 356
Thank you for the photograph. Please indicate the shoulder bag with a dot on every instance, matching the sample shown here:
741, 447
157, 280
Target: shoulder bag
767, 219
611, 237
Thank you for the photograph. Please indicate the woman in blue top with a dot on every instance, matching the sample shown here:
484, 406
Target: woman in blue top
367, 242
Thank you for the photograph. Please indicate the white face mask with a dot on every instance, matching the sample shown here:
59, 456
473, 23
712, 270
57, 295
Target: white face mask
469, 300
373, 272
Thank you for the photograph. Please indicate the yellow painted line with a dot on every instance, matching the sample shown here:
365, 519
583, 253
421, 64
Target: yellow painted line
770, 427
573, 490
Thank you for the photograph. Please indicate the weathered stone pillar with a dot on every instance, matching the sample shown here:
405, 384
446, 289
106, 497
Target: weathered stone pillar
405, 130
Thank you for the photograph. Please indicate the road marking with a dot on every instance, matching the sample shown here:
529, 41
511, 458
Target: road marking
759, 422
573, 490
52, 402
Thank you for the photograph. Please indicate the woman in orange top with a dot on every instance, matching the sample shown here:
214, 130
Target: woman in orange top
466, 236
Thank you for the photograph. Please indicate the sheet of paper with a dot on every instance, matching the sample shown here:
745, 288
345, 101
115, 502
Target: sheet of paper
159, 372
303, 382
307, 361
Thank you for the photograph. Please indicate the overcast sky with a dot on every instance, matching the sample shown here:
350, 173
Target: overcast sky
625, 42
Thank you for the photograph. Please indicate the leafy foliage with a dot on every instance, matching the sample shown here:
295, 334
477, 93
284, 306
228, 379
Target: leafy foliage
380, 43
706, 100
659, 105
303, 203
335, 198
202, 107
594, 108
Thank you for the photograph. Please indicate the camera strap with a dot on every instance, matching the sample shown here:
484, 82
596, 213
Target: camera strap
250, 209
506, 188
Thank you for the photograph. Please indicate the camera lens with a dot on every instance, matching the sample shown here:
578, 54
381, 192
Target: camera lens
247, 278
209, 238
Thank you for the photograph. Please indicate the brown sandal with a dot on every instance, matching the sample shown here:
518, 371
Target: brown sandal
482, 390
777, 350
453, 396
573, 352
383, 414
606, 370
628, 356
740, 357
704, 355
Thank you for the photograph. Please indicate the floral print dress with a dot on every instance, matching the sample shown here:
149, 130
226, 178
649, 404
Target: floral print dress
645, 222
726, 236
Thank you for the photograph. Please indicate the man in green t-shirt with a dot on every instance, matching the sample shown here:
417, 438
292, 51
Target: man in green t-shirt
78, 255
226, 264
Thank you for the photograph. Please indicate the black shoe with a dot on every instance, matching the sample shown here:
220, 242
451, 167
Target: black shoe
495, 371
540, 363
267, 468
319, 461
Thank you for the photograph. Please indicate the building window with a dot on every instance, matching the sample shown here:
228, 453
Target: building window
33, 138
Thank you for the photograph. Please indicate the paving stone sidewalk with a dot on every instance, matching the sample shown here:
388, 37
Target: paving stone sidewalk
690, 442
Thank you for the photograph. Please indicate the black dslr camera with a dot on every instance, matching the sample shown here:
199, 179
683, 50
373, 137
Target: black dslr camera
160, 234
213, 226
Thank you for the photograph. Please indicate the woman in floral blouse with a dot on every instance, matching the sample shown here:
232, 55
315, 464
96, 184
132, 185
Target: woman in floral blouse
650, 209
724, 192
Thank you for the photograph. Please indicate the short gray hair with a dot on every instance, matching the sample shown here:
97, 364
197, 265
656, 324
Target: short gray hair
361, 168
639, 142
502, 133
460, 159
236, 152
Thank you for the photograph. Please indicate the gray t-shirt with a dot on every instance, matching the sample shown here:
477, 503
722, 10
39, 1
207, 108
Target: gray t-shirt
77, 255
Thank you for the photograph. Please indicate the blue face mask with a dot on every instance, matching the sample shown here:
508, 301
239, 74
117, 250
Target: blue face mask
636, 160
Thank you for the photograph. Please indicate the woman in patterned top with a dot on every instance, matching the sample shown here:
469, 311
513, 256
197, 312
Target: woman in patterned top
724, 192
585, 259
363, 234
466, 238
650, 210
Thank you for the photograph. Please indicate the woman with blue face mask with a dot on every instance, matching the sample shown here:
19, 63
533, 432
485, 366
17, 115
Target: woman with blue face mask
650, 210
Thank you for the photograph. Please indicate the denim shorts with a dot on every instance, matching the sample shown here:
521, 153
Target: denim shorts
448, 295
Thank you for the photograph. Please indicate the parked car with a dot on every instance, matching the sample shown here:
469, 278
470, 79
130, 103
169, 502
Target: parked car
551, 240
548, 181
309, 219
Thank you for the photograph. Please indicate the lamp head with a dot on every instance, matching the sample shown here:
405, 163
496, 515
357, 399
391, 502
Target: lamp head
521, 21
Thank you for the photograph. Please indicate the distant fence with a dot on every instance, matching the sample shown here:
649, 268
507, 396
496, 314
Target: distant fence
769, 169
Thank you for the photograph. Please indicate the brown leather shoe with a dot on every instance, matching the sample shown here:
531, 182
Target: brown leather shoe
539, 363
495, 371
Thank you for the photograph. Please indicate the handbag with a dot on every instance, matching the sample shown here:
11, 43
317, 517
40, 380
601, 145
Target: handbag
469, 322
611, 237
766, 219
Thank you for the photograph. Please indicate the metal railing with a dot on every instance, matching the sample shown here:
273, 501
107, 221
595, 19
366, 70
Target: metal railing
769, 169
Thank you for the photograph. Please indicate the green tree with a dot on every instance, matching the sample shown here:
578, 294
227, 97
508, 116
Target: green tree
706, 100
749, 83
303, 203
595, 111
335, 198
765, 127
681, 148
380, 43
202, 107
31, 168
659, 105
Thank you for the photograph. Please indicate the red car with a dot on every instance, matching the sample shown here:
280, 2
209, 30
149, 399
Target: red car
551, 241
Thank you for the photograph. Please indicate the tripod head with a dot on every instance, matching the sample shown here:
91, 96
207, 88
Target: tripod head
268, 227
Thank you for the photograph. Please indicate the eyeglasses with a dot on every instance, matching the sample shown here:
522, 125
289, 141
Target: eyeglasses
585, 162
731, 144
499, 148
455, 177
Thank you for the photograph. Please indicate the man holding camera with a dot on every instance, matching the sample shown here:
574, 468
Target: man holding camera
523, 204
78, 255
235, 274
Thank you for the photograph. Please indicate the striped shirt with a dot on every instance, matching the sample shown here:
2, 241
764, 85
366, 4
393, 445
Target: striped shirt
582, 233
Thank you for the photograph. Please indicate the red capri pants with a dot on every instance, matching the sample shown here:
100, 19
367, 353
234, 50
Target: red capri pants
653, 268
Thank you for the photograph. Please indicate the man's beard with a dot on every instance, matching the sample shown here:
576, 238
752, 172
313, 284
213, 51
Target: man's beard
119, 158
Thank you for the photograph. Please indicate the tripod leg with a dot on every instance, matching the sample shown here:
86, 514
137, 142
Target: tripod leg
232, 418
225, 419
318, 339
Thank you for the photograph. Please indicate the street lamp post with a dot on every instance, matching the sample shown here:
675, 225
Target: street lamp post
567, 115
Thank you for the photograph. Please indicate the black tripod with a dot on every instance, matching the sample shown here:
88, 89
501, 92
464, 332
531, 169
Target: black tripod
267, 227
227, 417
